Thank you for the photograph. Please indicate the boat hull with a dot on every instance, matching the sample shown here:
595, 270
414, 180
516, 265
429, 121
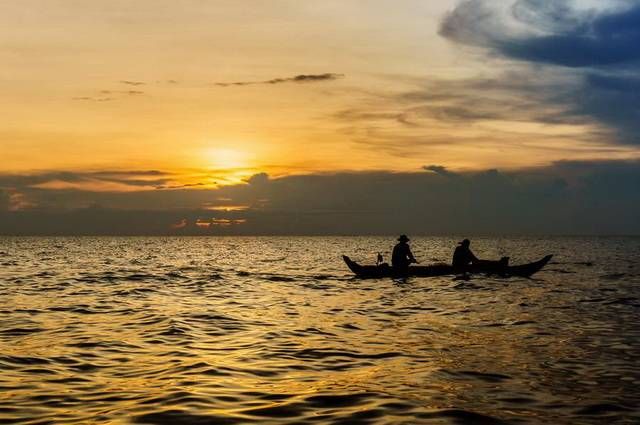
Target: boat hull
488, 267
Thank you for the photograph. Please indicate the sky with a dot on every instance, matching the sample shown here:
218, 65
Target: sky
334, 117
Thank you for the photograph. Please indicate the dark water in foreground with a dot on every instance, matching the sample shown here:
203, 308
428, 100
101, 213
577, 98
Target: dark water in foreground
274, 330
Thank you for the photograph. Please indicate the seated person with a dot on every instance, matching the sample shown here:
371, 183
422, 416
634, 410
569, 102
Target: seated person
402, 256
462, 256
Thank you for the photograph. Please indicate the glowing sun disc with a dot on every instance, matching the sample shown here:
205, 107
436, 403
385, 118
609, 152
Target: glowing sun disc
227, 158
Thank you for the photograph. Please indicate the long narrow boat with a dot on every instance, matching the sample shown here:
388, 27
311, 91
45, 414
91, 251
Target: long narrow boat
488, 267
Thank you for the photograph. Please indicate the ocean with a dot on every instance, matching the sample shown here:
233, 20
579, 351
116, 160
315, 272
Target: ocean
275, 330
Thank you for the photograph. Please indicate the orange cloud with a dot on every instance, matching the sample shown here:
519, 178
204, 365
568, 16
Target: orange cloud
180, 225
90, 185
203, 223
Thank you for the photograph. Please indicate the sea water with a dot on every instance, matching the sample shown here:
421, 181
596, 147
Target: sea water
271, 330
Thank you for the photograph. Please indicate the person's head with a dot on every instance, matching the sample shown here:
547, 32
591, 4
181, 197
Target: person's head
403, 239
465, 243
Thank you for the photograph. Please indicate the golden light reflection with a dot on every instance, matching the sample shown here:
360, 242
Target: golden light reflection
228, 208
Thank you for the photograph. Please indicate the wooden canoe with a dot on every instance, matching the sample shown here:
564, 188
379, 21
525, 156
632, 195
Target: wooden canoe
486, 267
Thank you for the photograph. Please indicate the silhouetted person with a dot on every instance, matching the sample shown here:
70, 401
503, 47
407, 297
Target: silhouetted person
462, 256
402, 256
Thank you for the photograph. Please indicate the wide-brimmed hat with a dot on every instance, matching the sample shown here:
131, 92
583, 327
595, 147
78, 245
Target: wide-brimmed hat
464, 242
403, 238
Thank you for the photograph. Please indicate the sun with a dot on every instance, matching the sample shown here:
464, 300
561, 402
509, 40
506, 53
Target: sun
227, 166
225, 158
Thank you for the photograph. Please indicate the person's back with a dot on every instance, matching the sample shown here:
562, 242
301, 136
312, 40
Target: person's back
402, 256
462, 255
399, 257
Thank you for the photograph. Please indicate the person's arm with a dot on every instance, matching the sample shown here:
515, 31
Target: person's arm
474, 259
411, 257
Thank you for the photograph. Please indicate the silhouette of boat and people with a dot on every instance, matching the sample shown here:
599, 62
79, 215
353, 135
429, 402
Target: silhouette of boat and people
463, 263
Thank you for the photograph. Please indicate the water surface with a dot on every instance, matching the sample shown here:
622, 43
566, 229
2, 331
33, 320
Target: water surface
276, 331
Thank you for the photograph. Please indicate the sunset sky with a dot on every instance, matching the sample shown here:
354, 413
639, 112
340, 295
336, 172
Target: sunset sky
106, 103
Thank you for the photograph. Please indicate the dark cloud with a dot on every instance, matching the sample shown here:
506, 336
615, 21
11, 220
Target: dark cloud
302, 78
5, 199
596, 48
559, 34
439, 169
179, 186
564, 198
259, 179
578, 39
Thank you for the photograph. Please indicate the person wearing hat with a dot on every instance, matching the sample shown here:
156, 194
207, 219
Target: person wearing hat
402, 256
462, 256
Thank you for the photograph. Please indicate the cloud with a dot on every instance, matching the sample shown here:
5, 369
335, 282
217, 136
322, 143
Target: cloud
259, 179
129, 92
13, 200
595, 48
132, 83
108, 95
93, 99
440, 170
519, 111
91, 181
548, 31
180, 186
4, 200
302, 78
567, 197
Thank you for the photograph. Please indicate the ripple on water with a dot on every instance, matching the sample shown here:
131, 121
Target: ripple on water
19, 331
462, 417
473, 375
182, 417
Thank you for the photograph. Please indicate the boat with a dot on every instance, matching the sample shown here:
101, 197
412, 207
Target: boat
498, 268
